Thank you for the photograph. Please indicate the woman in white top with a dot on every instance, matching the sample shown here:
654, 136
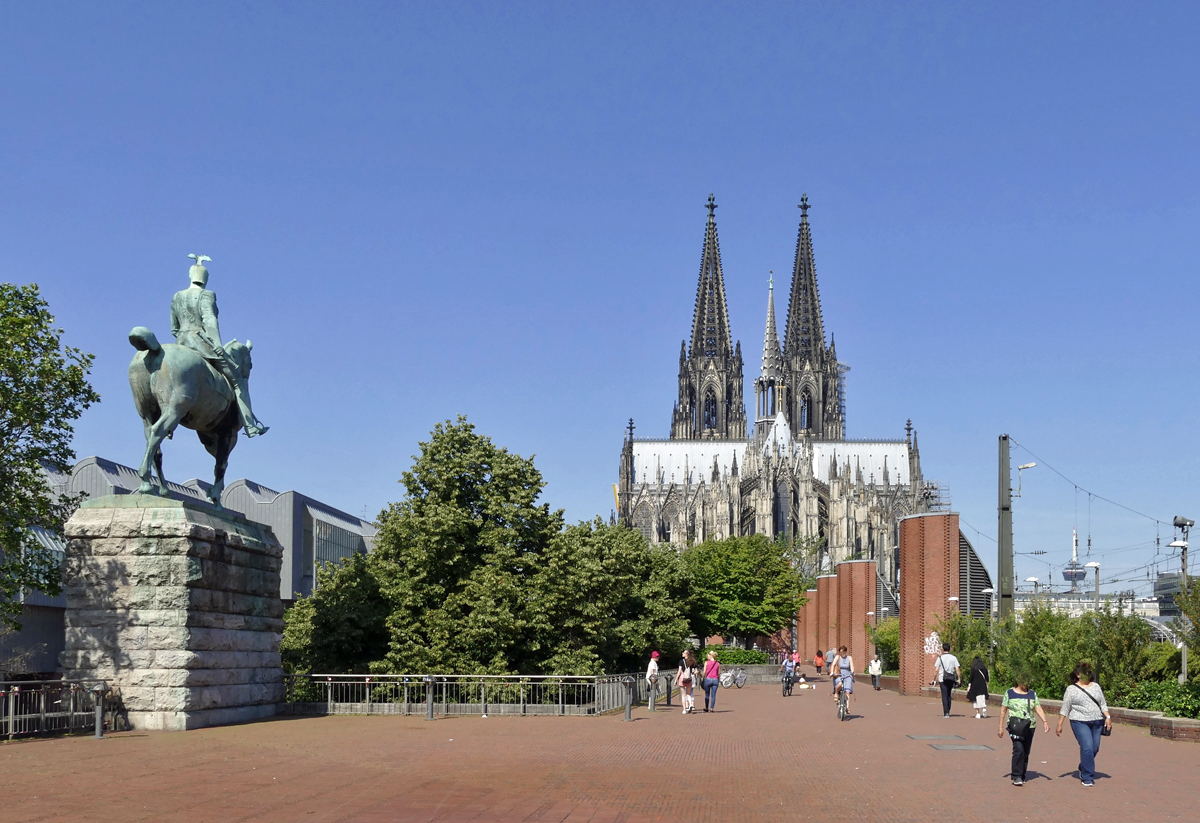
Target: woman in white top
1084, 705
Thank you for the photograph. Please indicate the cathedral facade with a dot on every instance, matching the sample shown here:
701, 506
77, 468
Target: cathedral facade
793, 473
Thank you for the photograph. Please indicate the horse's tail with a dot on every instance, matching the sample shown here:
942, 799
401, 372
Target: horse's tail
143, 339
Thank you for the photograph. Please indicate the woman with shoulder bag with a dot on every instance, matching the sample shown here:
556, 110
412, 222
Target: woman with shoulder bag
686, 677
1019, 705
1084, 705
978, 691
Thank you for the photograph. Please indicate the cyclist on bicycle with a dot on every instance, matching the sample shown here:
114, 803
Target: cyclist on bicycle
843, 672
788, 669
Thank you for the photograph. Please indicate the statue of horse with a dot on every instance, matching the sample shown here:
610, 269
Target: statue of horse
172, 386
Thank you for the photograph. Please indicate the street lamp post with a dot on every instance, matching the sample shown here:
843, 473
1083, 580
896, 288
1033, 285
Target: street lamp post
1096, 566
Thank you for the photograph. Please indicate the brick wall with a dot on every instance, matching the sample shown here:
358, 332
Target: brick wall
856, 597
826, 612
928, 578
807, 639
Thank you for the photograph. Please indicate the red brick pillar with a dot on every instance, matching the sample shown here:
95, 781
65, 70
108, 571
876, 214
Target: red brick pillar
827, 614
808, 632
928, 578
856, 590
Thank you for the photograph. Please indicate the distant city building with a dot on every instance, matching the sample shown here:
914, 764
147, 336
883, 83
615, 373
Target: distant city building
796, 474
312, 533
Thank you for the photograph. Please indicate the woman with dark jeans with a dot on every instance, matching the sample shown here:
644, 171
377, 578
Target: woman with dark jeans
712, 681
1084, 705
1019, 705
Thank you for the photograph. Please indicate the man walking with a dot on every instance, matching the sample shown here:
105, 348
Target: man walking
949, 675
875, 670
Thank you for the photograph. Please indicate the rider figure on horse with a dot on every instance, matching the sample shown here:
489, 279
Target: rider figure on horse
194, 324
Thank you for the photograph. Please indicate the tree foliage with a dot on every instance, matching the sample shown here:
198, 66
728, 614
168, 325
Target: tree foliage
43, 388
472, 575
742, 587
885, 635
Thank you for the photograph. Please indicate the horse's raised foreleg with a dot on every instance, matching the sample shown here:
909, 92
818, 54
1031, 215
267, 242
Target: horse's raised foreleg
156, 432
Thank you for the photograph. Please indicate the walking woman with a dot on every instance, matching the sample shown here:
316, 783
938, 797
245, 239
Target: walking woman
686, 677
712, 680
1020, 704
978, 690
1084, 705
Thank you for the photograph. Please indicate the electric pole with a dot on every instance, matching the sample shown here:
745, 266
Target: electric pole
1004, 563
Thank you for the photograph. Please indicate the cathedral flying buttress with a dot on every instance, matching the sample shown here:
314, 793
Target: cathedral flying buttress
794, 474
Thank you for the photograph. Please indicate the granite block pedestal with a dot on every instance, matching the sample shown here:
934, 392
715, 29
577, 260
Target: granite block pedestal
177, 606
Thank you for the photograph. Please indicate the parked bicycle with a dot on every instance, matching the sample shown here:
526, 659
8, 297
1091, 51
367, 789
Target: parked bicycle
733, 677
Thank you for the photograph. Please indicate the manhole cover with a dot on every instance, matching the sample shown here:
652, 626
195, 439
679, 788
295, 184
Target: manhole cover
950, 747
936, 737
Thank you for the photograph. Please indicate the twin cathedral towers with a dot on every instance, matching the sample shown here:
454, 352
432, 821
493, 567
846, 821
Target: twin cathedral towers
793, 473
804, 381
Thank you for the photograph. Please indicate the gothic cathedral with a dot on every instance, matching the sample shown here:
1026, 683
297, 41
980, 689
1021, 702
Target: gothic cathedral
794, 474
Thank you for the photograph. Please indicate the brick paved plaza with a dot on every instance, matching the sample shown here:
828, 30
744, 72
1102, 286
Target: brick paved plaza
761, 757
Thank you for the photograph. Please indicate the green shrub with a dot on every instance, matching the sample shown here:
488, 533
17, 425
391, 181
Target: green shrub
729, 656
1169, 697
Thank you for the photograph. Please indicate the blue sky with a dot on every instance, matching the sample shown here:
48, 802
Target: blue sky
419, 211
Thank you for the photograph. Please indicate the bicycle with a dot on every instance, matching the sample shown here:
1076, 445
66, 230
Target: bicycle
843, 702
733, 677
787, 684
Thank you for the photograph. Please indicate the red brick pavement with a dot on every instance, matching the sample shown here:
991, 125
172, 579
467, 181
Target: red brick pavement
761, 757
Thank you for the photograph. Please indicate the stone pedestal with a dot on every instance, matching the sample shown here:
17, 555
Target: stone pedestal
177, 606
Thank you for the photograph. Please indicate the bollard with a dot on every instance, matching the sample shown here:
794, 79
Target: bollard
629, 682
668, 679
429, 697
98, 692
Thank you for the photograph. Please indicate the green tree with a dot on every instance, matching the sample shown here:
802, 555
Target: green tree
885, 635
471, 575
742, 587
456, 557
43, 388
603, 599
342, 627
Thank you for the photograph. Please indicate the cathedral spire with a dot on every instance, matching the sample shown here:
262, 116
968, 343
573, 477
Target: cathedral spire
772, 362
710, 323
804, 335
710, 404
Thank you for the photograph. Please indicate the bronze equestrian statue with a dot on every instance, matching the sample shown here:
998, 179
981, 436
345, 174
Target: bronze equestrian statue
196, 382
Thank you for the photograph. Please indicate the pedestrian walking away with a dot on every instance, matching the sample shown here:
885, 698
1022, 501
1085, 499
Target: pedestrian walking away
819, 661
686, 677
1019, 706
829, 655
875, 670
949, 675
978, 690
712, 680
1084, 705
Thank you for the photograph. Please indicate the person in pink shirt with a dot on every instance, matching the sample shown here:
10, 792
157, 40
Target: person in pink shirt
712, 680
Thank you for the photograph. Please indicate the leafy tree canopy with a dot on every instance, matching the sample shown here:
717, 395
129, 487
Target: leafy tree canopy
43, 388
472, 575
743, 587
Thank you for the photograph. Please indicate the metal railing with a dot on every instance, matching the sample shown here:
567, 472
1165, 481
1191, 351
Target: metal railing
469, 694
38, 707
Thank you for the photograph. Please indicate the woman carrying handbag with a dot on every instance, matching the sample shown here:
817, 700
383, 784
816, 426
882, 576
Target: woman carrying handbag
1019, 706
1084, 705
